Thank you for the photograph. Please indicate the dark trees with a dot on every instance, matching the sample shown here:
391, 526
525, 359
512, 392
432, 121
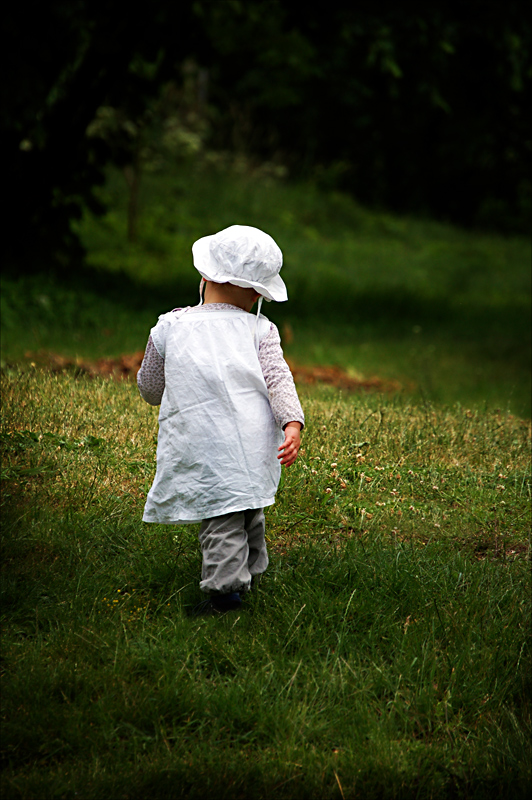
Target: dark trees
423, 111
63, 60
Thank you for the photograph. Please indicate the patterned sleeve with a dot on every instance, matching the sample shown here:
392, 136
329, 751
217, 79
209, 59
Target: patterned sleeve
279, 381
150, 377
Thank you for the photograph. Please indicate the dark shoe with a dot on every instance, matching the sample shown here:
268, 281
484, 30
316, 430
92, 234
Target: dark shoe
226, 602
217, 604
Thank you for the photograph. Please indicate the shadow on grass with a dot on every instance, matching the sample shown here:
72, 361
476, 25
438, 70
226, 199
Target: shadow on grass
330, 302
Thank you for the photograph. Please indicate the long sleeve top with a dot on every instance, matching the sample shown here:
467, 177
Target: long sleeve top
282, 392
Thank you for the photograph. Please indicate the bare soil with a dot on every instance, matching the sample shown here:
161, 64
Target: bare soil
126, 367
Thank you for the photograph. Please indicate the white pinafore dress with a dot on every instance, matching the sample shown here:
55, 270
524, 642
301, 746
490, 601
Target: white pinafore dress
218, 439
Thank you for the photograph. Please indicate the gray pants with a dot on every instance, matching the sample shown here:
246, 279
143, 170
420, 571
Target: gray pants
234, 549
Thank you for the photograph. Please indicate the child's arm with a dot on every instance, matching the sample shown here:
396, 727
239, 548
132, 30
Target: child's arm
282, 392
150, 377
290, 446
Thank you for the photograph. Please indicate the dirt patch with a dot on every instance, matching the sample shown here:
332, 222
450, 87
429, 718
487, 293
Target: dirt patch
127, 366
338, 377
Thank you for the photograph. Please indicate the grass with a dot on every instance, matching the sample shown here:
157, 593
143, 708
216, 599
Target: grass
387, 651
444, 311
385, 654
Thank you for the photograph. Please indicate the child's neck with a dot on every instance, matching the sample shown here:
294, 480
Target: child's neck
231, 295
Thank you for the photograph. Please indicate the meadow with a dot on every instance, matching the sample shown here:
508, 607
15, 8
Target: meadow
386, 653
443, 311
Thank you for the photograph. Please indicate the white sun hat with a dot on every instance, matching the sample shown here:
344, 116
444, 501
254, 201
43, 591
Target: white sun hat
244, 256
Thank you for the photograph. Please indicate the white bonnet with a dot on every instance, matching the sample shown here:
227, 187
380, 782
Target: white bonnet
244, 256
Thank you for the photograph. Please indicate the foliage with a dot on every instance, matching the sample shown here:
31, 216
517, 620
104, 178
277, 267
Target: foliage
411, 110
422, 111
386, 651
65, 62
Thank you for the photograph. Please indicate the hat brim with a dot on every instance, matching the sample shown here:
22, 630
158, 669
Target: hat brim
272, 289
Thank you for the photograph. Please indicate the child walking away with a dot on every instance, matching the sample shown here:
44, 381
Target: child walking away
230, 415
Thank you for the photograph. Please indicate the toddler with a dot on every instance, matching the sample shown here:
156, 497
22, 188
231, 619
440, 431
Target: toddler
230, 415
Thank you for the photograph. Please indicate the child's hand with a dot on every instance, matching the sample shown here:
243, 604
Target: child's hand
291, 444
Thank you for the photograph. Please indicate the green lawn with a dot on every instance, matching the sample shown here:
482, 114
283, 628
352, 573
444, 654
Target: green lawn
385, 654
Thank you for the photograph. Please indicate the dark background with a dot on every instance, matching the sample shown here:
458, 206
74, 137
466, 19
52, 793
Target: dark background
417, 109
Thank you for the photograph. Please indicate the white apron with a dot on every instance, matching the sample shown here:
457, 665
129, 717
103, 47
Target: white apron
218, 439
